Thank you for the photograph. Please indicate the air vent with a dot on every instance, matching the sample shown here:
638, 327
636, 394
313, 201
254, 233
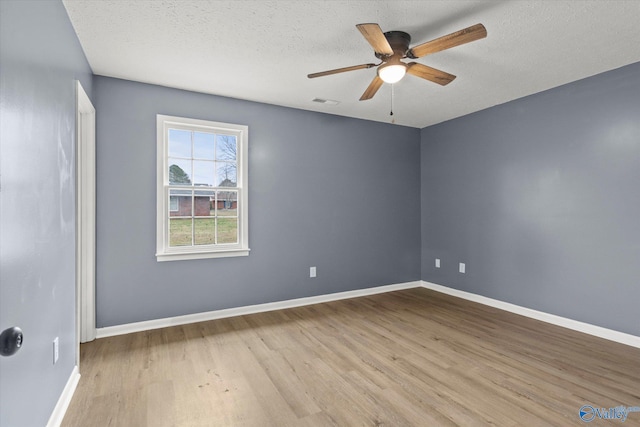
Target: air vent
325, 101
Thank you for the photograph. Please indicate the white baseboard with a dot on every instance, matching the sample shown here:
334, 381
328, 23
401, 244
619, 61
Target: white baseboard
65, 399
250, 309
575, 325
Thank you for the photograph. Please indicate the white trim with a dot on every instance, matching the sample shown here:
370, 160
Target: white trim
163, 251
65, 399
598, 331
85, 218
220, 253
251, 309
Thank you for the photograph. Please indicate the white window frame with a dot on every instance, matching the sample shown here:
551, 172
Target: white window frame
164, 252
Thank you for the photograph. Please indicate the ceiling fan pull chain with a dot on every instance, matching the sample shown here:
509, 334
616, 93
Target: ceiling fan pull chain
393, 120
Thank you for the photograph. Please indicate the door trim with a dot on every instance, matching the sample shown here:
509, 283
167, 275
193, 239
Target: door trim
85, 219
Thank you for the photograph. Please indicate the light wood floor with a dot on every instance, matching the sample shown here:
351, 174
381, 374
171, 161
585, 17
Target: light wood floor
413, 357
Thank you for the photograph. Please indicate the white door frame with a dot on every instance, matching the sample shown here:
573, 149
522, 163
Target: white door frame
85, 219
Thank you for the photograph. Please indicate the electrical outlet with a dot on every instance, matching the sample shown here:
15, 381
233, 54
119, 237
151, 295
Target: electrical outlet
463, 268
55, 350
312, 272
437, 262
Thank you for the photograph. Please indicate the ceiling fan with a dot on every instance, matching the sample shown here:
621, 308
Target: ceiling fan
392, 46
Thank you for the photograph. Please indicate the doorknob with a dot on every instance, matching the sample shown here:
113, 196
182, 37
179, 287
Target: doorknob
10, 341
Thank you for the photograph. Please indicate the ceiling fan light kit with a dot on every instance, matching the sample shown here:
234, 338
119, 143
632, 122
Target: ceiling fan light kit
392, 73
393, 46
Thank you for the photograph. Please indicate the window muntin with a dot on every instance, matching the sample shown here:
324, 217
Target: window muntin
202, 194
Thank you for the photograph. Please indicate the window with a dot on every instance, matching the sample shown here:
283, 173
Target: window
202, 189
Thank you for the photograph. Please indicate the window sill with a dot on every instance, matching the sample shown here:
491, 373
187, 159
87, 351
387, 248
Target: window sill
182, 256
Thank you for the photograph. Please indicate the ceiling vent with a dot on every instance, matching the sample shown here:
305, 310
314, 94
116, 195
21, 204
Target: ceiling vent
325, 101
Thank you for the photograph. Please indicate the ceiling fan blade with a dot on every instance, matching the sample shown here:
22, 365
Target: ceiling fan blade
376, 38
372, 88
340, 70
428, 73
458, 38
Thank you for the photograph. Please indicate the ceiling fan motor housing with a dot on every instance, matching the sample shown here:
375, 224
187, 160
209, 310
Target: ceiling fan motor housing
399, 42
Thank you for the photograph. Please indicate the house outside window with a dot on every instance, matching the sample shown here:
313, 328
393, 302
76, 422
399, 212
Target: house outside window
202, 203
173, 204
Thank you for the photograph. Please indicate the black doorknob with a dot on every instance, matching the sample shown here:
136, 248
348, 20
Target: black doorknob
10, 341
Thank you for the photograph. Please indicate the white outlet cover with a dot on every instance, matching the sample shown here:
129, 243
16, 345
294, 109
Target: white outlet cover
312, 272
437, 262
463, 268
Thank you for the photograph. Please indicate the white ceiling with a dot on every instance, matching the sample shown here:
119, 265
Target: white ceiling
263, 50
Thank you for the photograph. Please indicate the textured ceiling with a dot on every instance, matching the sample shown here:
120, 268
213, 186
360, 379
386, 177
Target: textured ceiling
263, 50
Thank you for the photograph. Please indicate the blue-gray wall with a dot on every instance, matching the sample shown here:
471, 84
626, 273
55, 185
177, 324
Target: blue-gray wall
40, 58
332, 192
540, 197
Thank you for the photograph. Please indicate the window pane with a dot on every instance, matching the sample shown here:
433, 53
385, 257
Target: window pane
227, 203
205, 231
204, 203
203, 173
173, 204
179, 172
227, 230
179, 143
203, 146
226, 147
180, 232
227, 174
180, 202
